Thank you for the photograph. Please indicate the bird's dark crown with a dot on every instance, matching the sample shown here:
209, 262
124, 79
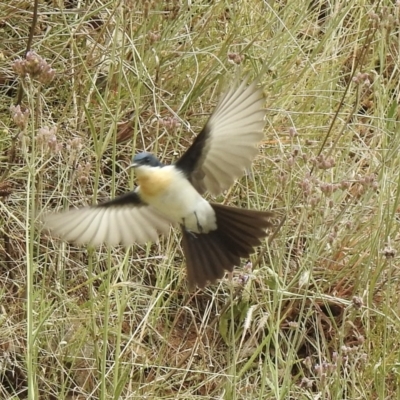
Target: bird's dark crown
145, 158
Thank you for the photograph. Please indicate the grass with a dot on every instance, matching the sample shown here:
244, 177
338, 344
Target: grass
316, 313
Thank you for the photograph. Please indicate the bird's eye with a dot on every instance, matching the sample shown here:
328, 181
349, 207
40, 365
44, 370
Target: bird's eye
147, 160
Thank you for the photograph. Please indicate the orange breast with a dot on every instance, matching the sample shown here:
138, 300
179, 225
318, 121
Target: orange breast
153, 182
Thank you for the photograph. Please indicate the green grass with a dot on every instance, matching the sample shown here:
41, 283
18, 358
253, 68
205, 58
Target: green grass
317, 314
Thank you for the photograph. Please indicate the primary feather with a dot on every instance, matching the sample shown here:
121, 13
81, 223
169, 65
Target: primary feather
226, 146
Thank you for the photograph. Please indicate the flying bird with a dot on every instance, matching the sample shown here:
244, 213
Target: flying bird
214, 236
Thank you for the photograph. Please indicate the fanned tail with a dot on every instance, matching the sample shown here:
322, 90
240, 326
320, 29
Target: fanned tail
209, 255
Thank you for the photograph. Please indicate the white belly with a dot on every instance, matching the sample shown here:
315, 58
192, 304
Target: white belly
180, 202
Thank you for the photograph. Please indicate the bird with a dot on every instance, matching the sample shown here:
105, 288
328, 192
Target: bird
214, 236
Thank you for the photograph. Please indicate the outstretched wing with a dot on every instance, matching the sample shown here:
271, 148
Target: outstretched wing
226, 146
124, 220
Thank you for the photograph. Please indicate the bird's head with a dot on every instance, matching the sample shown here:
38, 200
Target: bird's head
145, 160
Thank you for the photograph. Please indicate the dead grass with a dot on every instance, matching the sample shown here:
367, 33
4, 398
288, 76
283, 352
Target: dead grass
316, 315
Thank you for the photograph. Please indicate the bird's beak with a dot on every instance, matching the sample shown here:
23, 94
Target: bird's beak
133, 165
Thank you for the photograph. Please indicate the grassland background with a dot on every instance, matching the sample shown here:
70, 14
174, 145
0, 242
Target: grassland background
316, 315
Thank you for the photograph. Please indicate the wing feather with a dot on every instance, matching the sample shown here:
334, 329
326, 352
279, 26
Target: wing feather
124, 220
226, 146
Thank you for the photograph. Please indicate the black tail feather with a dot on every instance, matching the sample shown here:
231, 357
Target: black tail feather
209, 255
